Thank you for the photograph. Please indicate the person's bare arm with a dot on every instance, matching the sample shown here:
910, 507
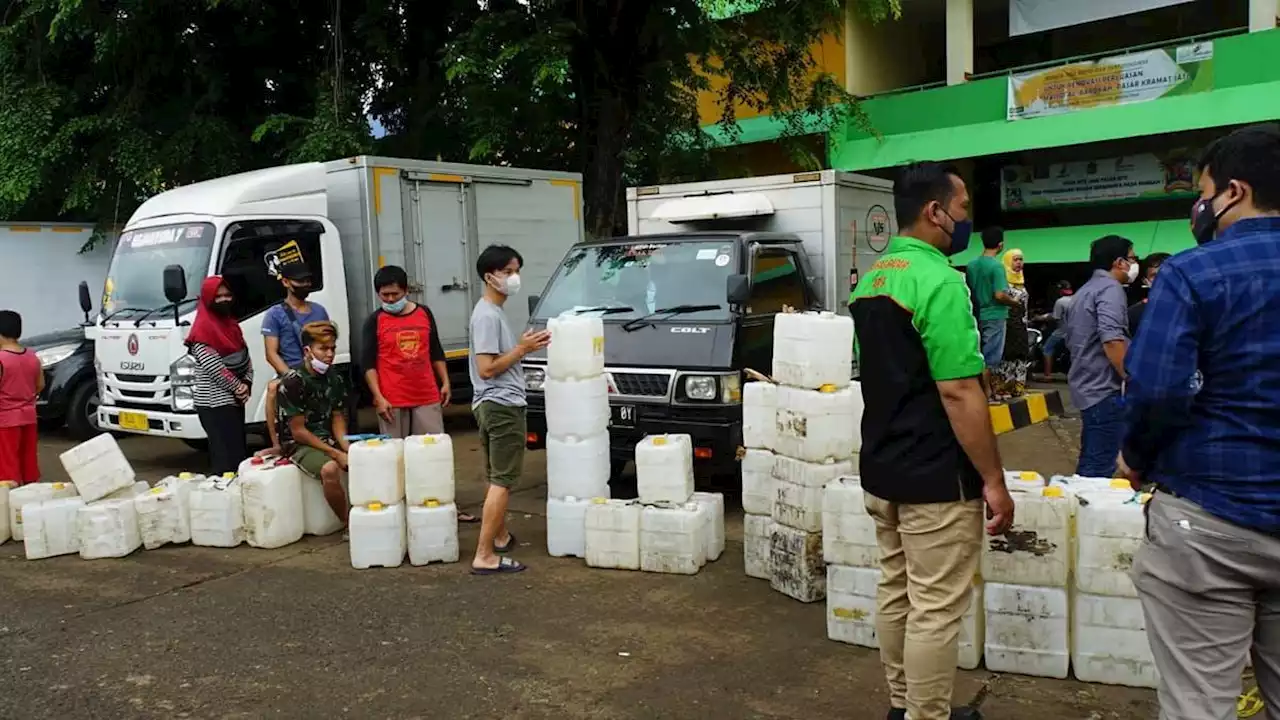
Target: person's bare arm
303, 436
966, 407
271, 344
491, 366
340, 432
1006, 299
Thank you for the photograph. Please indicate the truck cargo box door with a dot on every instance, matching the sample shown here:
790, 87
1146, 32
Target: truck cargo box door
442, 268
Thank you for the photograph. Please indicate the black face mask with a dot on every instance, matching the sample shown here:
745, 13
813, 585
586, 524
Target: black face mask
222, 307
1204, 221
300, 292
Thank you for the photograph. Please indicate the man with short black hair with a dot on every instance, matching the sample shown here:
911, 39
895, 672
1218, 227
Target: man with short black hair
1142, 293
499, 404
989, 287
1203, 423
313, 406
282, 332
1097, 338
929, 456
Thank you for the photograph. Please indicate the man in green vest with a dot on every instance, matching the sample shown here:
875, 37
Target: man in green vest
929, 458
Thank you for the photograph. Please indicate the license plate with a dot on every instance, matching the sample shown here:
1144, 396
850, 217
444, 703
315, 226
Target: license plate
622, 416
134, 421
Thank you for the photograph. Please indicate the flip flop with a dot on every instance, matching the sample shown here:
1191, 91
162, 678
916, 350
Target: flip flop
467, 517
506, 566
511, 545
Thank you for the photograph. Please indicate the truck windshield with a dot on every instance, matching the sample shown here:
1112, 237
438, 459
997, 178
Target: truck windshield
135, 279
624, 282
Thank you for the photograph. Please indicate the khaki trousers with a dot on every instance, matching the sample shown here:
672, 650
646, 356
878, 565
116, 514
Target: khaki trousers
421, 420
1210, 593
928, 558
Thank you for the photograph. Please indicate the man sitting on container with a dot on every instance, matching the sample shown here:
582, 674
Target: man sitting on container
312, 405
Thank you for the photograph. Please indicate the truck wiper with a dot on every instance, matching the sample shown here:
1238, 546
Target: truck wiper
162, 308
114, 313
633, 325
606, 310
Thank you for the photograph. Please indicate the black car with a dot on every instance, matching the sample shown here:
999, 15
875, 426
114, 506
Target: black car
70, 394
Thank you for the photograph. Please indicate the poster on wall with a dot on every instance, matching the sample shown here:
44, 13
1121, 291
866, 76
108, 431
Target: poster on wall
1091, 182
1032, 16
1120, 80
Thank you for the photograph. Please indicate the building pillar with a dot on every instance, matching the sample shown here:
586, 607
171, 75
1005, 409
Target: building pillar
1262, 14
960, 40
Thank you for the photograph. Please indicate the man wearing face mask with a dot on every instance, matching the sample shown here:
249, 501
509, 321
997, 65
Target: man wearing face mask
1097, 338
929, 457
1143, 292
497, 378
1203, 423
282, 331
313, 405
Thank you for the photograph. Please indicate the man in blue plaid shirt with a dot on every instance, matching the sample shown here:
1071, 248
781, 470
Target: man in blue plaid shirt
1203, 422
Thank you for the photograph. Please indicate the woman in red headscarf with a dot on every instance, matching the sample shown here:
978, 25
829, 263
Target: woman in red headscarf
224, 375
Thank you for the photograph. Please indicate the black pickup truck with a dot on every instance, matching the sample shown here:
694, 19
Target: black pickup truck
684, 315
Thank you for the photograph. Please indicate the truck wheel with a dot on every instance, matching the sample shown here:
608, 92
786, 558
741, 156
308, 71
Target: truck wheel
82, 412
621, 485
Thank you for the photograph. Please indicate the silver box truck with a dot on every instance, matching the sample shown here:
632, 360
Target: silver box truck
344, 219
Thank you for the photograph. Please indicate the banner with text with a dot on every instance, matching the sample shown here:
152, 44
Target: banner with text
1031, 16
1119, 80
1090, 182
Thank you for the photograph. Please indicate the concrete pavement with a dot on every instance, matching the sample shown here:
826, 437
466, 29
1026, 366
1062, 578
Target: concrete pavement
296, 633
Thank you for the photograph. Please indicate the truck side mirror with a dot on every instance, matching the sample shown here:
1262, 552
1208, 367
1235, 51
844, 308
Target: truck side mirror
533, 303
738, 289
175, 284
86, 302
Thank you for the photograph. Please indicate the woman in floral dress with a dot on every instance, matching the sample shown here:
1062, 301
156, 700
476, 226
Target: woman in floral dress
1009, 379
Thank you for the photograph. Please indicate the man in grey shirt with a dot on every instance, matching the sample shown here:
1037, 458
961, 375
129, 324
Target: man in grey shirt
1098, 337
497, 379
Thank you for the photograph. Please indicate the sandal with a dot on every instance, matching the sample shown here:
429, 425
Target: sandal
506, 566
504, 549
467, 517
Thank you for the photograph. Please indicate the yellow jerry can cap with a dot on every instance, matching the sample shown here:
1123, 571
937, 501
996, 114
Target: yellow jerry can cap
375, 442
1120, 484
374, 506
828, 388
1029, 475
599, 500
428, 439
156, 490
59, 486
185, 476
660, 440
1053, 491
228, 475
431, 502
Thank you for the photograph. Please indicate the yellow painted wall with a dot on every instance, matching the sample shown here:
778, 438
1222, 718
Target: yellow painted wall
892, 54
829, 55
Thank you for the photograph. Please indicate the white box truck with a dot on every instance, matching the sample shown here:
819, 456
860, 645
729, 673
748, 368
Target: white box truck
688, 299
345, 219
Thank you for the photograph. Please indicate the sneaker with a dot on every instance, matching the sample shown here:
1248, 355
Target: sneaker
961, 713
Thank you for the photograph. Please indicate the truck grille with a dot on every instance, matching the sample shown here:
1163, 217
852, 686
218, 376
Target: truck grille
138, 378
641, 384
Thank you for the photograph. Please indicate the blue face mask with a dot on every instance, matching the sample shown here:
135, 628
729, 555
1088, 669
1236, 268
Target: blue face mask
960, 237
396, 307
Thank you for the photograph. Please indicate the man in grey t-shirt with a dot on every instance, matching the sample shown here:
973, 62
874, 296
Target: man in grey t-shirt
1098, 338
497, 379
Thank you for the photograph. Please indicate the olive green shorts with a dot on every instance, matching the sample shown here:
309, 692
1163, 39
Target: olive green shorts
310, 460
502, 435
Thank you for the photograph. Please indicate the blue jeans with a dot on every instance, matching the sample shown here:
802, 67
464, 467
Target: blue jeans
1055, 341
992, 335
1100, 438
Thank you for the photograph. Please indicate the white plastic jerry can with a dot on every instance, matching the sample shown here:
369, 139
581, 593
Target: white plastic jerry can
800, 486
97, 467
217, 513
760, 415
613, 534
1109, 642
164, 513
377, 536
816, 425
578, 466
671, 539
567, 527
577, 347
272, 495
33, 493
6, 529
428, 469
851, 605
376, 472
1110, 526
757, 538
49, 527
713, 507
108, 528
759, 488
812, 349
664, 469
1037, 549
848, 532
433, 533
1027, 630
795, 564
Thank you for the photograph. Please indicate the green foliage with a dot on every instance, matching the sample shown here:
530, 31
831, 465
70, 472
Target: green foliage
106, 102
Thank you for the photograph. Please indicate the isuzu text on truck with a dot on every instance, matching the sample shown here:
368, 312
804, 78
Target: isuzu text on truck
344, 219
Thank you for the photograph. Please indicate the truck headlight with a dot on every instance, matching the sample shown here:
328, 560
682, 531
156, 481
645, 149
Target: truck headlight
56, 354
701, 387
183, 399
182, 373
535, 378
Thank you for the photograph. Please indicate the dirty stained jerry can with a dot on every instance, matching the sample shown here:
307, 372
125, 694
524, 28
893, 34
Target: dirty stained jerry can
800, 487
272, 495
217, 512
851, 605
816, 425
796, 569
757, 541
97, 467
672, 539
49, 527
759, 489
6, 529
108, 528
164, 513
812, 349
1037, 549
34, 493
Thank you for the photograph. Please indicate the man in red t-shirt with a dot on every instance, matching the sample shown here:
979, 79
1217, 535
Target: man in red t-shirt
404, 362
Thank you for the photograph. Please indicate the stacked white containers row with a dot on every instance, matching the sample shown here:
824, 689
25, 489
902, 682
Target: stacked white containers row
800, 434
402, 495
577, 412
